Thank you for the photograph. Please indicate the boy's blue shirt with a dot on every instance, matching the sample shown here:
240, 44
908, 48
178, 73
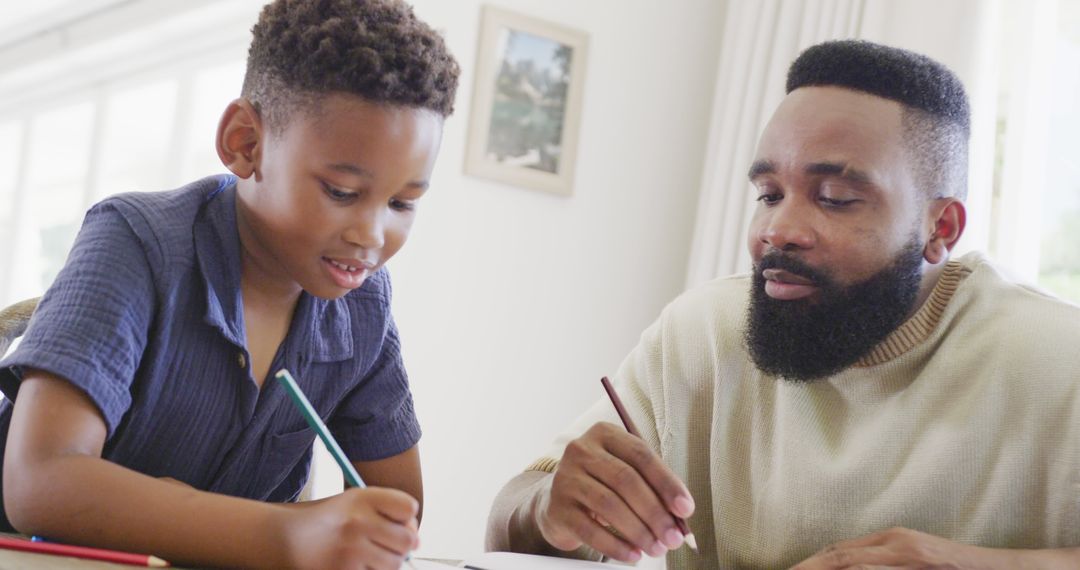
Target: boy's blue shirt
147, 318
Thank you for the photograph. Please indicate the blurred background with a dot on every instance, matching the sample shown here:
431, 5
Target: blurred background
512, 302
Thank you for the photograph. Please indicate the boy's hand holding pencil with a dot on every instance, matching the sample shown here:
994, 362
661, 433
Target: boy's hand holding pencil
360, 528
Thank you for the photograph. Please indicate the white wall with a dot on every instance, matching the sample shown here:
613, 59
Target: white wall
513, 303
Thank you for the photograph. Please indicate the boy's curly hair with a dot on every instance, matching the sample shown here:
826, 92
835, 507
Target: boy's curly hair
375, 49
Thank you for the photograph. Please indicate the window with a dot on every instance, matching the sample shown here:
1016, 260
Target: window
211, 89
10, 157
52, 195
123, 136
1036, 204
137, 127
100, 98
1059, 259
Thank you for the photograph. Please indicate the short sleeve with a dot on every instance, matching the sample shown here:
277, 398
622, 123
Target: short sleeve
376, 420
91, 325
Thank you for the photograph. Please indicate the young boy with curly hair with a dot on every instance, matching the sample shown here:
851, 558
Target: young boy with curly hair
139, 416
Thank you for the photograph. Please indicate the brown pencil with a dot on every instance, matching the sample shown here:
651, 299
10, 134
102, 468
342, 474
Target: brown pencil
629, 425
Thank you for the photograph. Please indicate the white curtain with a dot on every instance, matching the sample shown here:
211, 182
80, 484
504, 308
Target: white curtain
1030, 84
762, 38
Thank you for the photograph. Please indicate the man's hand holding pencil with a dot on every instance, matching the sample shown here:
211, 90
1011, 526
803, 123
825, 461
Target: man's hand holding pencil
614, 494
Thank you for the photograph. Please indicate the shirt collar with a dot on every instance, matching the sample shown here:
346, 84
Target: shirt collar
217, 249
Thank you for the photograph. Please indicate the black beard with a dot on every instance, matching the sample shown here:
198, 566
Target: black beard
804, 340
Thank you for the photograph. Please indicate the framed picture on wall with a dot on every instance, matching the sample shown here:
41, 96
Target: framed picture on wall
526, 106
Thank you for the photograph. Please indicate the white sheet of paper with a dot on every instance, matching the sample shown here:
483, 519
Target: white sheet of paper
418, 564
510, 561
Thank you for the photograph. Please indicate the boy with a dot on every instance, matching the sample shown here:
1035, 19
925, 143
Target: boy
146, 361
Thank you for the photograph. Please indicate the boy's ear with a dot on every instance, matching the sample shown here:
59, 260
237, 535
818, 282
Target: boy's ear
949, 217
239, 138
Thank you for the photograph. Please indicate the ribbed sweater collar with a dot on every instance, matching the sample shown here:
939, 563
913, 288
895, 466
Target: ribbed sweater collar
919, 327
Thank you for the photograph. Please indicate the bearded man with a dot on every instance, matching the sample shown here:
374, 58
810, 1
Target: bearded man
860, 400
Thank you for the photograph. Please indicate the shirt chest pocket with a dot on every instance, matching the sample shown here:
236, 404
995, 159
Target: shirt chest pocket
284, 455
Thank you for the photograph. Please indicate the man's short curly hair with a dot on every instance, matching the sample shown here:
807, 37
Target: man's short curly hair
375, 49
936, 116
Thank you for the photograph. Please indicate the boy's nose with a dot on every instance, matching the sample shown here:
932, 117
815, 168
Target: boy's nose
366, 232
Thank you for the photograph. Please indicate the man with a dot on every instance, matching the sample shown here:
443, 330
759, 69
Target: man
860, 395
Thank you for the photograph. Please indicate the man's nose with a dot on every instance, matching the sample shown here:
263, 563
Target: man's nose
787, 226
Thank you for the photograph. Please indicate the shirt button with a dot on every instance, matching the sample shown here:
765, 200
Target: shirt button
241, 360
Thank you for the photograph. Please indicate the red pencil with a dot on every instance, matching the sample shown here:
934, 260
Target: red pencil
82, 552
629, 425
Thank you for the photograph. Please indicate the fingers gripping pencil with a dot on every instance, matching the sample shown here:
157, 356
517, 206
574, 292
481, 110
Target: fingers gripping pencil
629, 425
316, 423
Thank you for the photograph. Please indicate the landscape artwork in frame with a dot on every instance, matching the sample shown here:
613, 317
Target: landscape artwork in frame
526, 104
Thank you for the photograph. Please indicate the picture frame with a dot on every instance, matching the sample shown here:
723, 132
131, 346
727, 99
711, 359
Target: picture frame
526, 104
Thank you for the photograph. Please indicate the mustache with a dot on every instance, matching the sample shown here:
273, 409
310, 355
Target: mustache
793, 265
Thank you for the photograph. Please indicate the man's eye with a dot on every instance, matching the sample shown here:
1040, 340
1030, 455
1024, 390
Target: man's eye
835, 202
770, 199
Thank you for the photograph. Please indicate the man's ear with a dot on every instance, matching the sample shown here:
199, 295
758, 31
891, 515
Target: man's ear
948, 216
239, 138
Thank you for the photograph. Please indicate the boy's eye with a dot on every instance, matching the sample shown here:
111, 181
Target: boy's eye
336, 193
402, 205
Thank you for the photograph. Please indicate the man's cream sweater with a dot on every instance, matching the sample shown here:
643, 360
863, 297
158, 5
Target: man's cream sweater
964, 423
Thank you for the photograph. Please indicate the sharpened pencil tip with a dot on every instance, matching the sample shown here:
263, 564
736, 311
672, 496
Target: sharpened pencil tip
155, 562
691, 541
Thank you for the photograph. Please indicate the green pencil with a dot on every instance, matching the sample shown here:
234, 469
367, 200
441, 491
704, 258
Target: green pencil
316, 423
